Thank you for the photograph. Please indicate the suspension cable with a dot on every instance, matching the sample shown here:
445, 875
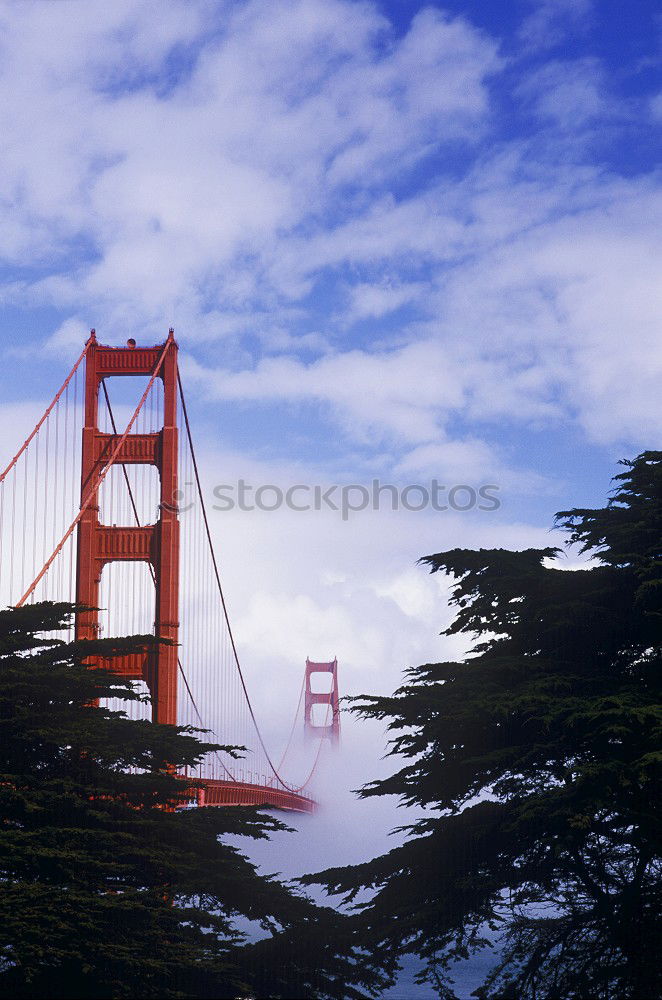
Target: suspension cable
288, 787
94, 489
294, 724
153, 575
56, 399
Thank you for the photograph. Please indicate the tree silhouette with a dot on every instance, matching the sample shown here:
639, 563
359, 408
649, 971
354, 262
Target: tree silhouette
108, 888
537, 760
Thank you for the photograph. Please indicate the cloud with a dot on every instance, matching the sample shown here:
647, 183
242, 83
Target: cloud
475, 462
552, 21
392, 394
376, 300
393, 250
172, 186
246, 172
572, 309
549, 314
571, 94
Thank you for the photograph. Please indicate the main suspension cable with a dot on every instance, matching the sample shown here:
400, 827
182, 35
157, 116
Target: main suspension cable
47, 413
219, 585
152, 573
94, 489
294, 724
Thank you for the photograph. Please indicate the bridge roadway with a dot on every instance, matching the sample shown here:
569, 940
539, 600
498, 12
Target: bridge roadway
239, 793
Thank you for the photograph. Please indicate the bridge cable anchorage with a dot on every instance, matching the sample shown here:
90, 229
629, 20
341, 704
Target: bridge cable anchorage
217, 575
94, 490
152, 574
46, 414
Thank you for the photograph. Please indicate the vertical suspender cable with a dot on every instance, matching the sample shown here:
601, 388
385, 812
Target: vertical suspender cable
93, 490
224, 606
37, 428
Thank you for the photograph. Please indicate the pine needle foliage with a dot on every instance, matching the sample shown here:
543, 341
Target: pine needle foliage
537, 762
108, 888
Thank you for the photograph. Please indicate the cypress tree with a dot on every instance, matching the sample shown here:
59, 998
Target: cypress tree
537, 761
108, 888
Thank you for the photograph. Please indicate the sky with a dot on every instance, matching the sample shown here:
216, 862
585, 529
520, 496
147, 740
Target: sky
397, 240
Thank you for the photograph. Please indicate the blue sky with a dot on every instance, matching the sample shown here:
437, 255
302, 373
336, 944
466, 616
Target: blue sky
396, 240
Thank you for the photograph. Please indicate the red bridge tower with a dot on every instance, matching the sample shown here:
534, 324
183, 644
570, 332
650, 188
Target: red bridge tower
157, 544
331, 729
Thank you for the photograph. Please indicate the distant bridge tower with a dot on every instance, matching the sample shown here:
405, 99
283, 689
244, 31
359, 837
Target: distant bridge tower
156, 544
330, 729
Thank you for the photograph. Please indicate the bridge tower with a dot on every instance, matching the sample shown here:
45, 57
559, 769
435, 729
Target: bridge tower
156, 544
331, 729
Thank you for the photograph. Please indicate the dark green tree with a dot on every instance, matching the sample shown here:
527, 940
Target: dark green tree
107, 889
537, 761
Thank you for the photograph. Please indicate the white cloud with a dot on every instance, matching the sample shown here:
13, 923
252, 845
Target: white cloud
549, 321
474, 462
572, 94
551, 21
172, 187
208, 167
268, 175
571, 312
376, 300
394, 393
328, 587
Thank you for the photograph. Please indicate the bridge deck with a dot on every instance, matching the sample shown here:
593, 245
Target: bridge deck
239, 793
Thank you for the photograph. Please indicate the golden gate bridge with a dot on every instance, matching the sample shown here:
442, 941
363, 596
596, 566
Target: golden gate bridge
91, 513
